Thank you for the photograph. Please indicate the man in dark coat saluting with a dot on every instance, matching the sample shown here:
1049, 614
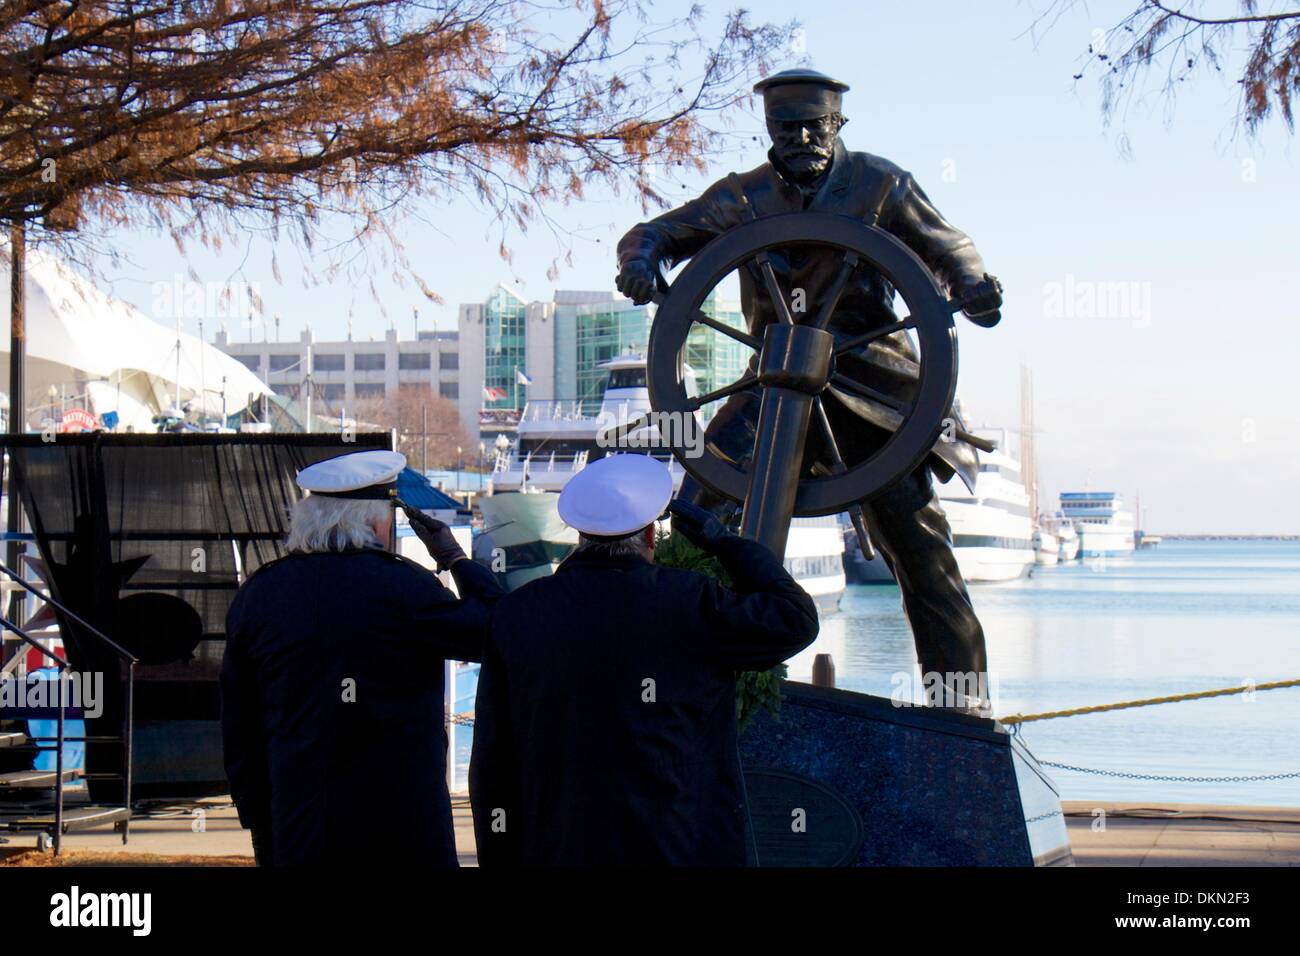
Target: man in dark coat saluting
809, 168
605, 725
332, 682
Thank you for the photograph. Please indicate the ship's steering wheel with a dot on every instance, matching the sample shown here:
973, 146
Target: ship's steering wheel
796, 365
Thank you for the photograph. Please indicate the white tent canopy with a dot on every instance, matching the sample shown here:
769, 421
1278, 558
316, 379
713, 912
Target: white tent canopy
105, 355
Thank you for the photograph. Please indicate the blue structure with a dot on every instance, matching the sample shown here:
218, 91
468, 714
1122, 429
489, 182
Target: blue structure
416, 491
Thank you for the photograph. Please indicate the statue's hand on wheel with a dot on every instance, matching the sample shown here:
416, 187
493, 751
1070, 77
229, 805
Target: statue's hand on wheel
637, 280
981, 300
697, 525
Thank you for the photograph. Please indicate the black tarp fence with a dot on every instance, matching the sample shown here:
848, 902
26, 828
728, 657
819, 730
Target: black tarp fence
147, 537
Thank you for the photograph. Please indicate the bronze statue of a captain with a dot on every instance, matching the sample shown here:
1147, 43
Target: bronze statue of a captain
810, 169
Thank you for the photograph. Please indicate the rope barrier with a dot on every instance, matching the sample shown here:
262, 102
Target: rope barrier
1016, 719
1013, 721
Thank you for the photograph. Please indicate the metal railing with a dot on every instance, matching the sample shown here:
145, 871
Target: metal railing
62, 666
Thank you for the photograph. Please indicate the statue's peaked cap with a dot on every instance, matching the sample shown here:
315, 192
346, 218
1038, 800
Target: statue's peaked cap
800, 94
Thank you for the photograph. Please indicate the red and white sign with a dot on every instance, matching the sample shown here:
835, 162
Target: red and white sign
77, 420
36, 660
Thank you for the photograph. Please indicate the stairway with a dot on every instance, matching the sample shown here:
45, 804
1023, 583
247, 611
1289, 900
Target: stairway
33, 799
30, 798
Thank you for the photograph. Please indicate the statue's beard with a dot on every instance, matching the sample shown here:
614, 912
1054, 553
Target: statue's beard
804, 163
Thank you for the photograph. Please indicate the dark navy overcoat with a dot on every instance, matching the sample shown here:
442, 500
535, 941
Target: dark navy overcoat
332, 704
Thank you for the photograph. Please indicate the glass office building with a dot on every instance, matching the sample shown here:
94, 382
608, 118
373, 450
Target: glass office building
716, 358
609, 329
504, 321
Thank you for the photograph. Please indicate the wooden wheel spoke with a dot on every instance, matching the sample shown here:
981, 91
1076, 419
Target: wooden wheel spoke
866, 338
819, 412
836, 290
743, 338
842, 381
618, 433
774, 289
739, 385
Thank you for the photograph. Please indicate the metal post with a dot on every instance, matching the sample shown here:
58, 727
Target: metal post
794, 367
774, 482
128, 743
823, 671
308, 385
58, 767
203, 383
17, 387
449, 678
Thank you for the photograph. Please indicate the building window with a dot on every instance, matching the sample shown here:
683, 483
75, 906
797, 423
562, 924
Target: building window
717, 359
332, 393
412, 361
449, 361
333, 362
282, 363
369, 362
505, 320
449, 390
287, 391
252, 362
604, 333
369, 389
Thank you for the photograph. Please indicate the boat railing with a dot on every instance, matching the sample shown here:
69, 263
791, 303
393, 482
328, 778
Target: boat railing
554, 411
538, 412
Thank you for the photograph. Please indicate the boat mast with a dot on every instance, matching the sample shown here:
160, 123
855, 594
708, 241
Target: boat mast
1028, 451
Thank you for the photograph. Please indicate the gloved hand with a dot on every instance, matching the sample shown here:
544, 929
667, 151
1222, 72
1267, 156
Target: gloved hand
436, 537
697, 525
637, 280
981, 300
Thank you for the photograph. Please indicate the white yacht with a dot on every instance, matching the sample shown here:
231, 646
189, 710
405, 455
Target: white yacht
1047, 548
1105, 528
992, 533
1067, 537
556, 440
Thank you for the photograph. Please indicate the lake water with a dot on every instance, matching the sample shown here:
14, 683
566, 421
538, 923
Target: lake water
1184, 617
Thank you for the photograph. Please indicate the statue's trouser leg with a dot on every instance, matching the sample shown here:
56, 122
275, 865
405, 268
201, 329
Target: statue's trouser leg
909, 526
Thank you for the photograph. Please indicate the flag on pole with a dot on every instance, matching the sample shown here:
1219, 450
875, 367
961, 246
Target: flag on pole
494, 394
521, 378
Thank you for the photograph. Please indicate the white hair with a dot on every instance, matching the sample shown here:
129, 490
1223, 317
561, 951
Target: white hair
634, 544
322, 523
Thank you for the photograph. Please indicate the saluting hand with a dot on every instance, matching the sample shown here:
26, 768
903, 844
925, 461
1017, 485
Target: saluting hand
436, 537
697, 525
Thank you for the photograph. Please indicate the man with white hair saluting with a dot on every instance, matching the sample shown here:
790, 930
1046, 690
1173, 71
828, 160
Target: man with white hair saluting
332, 682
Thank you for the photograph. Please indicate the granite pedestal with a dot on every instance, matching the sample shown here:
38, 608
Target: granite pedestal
849, 779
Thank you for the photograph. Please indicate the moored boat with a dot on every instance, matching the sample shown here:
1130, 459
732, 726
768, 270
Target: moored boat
992, 534
1105, 528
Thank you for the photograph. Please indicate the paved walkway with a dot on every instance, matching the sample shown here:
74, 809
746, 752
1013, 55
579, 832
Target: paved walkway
1182, 834
1122, 834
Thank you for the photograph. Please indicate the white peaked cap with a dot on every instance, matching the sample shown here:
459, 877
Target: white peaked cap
362, 474
617, 495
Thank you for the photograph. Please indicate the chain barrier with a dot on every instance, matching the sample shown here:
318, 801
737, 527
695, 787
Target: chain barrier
1126, 775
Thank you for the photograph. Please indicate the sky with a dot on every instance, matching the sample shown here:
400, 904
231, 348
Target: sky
1151, 289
